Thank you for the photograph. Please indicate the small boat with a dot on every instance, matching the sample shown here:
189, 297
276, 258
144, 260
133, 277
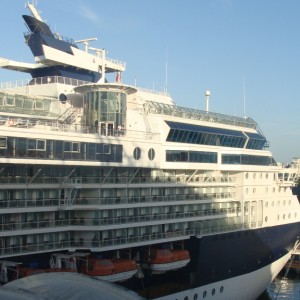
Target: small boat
111, 270
164, 260
59, 262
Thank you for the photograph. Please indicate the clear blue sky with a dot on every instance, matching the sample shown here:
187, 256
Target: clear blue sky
211, 45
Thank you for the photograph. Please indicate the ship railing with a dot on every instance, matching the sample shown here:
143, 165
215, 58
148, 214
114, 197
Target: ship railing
41, 80
194, 114
116, 62
171, 180
27, 36
34, 223
86, 201
150, 91
75, 243
55, 125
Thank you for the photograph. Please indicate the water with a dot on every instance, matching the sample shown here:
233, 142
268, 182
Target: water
283, 289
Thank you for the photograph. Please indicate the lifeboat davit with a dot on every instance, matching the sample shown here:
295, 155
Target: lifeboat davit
164, 260
110, 270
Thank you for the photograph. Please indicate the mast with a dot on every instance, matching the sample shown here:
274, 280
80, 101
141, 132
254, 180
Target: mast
34, 12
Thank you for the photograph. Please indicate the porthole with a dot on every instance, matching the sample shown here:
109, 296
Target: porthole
266, 205
151, 154
186, 298
273, 190
289, 215
261, 175
267, 176
213, 291
278, 217
221, 289
266, 219
204, 294
284, 217
254, 175
137, 153
195, 296
247, 175
284, 202
254, 190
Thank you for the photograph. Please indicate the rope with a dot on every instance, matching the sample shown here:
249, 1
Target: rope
288, 268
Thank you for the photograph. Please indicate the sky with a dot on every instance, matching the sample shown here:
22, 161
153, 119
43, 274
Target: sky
245, 52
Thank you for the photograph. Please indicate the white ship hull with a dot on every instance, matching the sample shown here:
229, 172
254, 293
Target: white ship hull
247, 287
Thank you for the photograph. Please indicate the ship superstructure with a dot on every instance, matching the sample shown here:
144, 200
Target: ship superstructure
105, 172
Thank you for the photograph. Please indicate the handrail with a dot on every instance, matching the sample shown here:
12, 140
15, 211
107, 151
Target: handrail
41, 80
22, 203
69, 244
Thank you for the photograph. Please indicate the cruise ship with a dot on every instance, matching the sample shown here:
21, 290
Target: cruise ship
117, 182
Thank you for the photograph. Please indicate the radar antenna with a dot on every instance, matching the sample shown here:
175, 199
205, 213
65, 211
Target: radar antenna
98, 51
207, 95
86, 43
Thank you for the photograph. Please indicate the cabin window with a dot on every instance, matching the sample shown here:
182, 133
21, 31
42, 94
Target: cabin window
137, 153
3, 142
39, 105
71, 147
9, 100
37, 145
151, 154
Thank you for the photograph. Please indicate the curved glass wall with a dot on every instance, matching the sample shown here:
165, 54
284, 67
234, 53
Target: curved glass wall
204, 135
105, 110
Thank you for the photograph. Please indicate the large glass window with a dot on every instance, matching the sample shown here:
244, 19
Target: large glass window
191, 156
196, 134
105, 108
247, 159
51, 149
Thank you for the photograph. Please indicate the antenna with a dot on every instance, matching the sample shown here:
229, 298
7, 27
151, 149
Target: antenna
244, 90
166, 83
33, 10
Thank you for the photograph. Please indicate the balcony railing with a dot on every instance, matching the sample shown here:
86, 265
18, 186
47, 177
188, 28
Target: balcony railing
107, 243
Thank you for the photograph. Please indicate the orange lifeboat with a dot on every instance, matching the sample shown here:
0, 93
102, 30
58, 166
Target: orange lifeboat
164, 260
111, 270
25, 272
